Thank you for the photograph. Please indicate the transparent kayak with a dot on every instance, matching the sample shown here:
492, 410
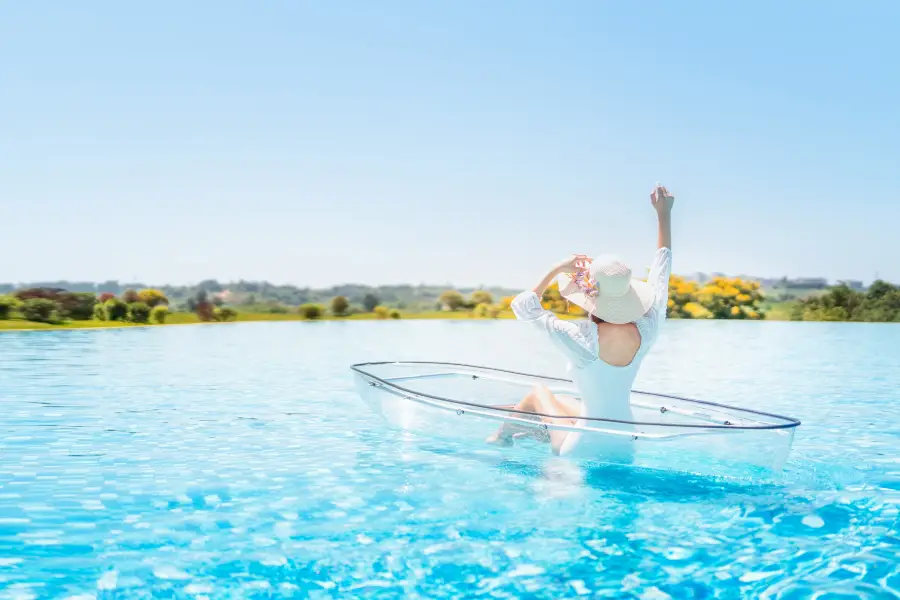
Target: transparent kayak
468, 403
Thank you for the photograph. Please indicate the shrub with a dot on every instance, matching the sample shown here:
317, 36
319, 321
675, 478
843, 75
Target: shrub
159, 313
719, 298
45, 293
105, 296
310, 311
452, 300
130, 296
99, 312
7, 305
382, 312
395, 314
226, 313
206, 311
481, 297
77, 305
200, 304
551, 299
487, 311
881, 303
152, 297
370, 301
40, 310
138, 312
339, 306
115, 309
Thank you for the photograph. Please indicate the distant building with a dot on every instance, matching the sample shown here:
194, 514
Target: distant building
810, 283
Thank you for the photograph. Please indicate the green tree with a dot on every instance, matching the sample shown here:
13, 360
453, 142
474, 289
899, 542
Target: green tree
78, 305
99, 312
382, 312
370, 301
452, 300
481, 297
138, 312
879, 289
40, 310
311, 311
395, 314
225, 313
115, 309
152, 297
881, 303
75, 305
7, 305
159, 313
339, 305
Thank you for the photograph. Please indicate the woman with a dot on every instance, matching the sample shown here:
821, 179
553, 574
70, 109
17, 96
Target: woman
604, 352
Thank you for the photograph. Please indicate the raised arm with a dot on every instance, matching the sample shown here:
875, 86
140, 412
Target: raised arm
661, 270
566, 335
567, 266
662, 201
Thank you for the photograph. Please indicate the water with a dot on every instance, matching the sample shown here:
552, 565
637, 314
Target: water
236, 461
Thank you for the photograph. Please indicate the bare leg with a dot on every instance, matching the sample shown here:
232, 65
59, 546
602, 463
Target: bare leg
539, 400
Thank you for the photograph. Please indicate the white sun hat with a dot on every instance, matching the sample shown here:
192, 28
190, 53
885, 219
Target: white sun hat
608, 291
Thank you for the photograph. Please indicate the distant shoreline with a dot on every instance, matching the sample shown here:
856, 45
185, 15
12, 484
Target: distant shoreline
179, 318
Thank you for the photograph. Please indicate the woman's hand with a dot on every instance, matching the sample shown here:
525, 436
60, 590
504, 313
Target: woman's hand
573, 264
661, 199
570, 265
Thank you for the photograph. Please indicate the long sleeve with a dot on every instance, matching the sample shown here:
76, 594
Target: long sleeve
660, 272
569, 337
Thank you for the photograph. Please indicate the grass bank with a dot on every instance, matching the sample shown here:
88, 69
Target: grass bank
179, 318
780, 311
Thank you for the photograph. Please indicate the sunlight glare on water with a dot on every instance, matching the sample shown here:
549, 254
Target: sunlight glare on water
237, 461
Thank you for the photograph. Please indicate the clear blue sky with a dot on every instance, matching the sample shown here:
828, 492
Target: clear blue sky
468, 142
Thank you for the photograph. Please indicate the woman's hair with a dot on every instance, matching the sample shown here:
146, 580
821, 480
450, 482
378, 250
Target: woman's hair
597, 320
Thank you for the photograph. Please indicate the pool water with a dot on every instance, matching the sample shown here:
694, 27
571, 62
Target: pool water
237, 461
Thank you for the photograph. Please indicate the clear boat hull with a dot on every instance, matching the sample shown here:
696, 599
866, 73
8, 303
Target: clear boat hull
467, 403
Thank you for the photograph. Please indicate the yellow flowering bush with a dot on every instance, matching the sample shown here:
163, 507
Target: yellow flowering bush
577, 311
695, 310
551, 299
681, 294
719, 298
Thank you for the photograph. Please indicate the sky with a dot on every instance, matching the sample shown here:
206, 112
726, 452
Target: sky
464, 142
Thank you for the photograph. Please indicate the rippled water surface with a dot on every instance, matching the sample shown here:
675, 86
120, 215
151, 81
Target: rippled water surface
236, 461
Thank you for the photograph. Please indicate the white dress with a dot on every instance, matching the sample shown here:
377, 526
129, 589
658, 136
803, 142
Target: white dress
605, 389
